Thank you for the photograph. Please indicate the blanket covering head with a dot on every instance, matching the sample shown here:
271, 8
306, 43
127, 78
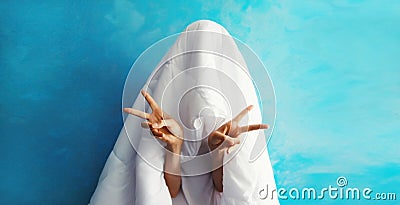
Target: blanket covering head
202, 82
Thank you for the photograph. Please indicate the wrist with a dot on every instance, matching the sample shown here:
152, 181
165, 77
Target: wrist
175, 147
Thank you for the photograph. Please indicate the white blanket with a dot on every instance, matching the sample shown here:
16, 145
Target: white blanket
201, 82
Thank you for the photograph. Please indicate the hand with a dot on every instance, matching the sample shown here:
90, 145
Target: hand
160, 124
226, 135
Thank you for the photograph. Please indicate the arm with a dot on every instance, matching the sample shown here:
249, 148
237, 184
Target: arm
172, 165
170, 132
163, 127
217, 161
223, 139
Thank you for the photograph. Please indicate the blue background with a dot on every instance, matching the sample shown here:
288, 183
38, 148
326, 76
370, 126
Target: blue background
334, 64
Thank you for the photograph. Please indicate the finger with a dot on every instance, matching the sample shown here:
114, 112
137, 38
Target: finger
160, 135
229, 143
242, 113
146, 125
156, 132
223, 141
249, 128
164, 123
225, 130
166, 116
160, 124
225, 127
137, 113
219, 136
231, 147
150, 100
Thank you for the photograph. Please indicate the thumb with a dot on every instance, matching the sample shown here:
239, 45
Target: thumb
171, 125
229, 142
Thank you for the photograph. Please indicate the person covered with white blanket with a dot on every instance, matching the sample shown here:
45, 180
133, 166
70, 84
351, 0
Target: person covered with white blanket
181, 145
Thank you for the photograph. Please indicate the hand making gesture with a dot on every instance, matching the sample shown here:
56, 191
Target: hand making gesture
227, 134
160, 124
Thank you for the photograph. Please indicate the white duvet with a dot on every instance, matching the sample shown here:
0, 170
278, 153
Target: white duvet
201, 82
